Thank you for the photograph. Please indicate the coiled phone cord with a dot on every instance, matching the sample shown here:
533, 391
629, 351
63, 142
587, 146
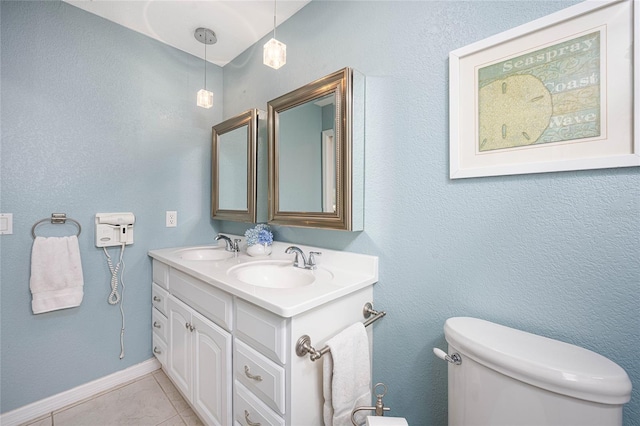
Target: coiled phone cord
115, 297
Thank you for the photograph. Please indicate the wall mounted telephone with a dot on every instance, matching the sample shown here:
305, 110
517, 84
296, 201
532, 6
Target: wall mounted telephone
114, 229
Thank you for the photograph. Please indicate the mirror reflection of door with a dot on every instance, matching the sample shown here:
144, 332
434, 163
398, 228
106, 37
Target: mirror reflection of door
306, 179
232, 170
328, 171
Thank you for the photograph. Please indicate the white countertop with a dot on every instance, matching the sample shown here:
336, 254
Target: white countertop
349, 272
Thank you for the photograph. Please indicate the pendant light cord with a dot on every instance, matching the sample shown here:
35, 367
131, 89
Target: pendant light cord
274, 18
205, 62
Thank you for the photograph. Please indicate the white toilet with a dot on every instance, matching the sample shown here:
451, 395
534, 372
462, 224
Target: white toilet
510, 377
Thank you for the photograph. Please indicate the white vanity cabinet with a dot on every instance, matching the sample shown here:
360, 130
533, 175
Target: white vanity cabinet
194, 351
231, 350
159, 297
259, 367
199, 362
289, 391
160, 331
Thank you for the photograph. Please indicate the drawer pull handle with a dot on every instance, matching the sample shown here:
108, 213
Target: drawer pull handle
156, 299
249, 422
156, 350
156, 325
251, 376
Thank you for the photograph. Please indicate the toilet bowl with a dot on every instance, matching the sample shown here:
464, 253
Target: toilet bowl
504, 376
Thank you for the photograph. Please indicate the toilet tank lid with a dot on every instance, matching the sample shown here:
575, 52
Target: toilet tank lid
540, 361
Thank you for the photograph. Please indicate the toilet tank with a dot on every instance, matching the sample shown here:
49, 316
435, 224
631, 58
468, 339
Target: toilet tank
511, 377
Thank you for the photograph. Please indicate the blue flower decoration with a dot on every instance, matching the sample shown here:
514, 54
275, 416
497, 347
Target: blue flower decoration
259, 234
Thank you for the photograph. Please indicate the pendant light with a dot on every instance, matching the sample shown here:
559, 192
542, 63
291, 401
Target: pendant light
205, 36
274, 52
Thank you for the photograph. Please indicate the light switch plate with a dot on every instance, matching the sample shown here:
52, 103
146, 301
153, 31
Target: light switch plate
6, 223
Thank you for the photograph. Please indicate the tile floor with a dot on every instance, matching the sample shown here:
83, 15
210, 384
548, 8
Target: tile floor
150, 400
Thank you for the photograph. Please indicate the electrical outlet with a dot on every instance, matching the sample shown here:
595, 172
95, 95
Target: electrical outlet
6, 223
172, 219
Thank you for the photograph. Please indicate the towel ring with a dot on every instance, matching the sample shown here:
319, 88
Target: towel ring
56, 218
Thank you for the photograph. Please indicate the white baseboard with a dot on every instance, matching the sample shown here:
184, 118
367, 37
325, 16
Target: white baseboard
55, 402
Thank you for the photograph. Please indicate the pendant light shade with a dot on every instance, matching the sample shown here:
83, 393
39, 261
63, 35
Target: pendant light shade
274, 52
204, 98
206, 36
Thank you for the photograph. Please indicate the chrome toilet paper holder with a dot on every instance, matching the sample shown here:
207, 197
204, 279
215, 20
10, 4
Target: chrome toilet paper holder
379, 408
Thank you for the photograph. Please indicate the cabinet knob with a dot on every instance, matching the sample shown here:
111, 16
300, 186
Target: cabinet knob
249, 422
251, 376
187, 325
156, 299
192, 327
156, 325
156, 350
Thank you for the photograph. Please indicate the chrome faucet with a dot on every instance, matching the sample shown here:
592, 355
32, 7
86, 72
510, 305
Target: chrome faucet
233, 246
306, 264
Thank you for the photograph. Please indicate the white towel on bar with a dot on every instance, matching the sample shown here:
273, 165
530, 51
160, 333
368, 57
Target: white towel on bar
56, 274
347, 376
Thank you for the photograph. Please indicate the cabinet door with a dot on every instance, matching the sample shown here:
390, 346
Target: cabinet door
212, 371
180, 351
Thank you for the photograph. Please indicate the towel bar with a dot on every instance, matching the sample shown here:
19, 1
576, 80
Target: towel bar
55, 218
303, 346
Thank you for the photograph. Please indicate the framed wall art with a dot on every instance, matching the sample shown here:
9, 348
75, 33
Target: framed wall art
558, 93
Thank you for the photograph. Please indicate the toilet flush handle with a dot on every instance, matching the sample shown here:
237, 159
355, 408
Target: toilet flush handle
454, 358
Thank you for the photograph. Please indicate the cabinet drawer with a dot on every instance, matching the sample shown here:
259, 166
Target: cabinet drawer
260, 375
159, 349
211, 302
248, 409
159, 324
263, 330
159, 298
161, 274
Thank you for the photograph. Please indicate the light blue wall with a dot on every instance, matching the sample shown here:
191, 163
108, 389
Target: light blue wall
232, 169
95, 118
300, 159
556, 254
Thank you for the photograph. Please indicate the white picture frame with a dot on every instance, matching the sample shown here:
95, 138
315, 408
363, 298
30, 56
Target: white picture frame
577, 70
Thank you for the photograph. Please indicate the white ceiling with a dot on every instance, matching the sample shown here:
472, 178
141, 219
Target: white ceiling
238, 24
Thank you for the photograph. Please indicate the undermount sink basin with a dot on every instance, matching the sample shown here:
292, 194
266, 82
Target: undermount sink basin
277, 274
204, 253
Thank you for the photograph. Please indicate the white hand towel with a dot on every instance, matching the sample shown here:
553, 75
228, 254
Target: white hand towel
56, 274
347, 376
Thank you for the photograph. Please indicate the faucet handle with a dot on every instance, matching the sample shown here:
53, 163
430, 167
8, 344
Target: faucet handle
311, 264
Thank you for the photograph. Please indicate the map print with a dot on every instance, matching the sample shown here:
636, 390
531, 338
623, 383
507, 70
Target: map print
550, 95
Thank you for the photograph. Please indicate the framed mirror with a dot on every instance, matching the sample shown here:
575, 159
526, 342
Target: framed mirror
234, 168
316, 154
